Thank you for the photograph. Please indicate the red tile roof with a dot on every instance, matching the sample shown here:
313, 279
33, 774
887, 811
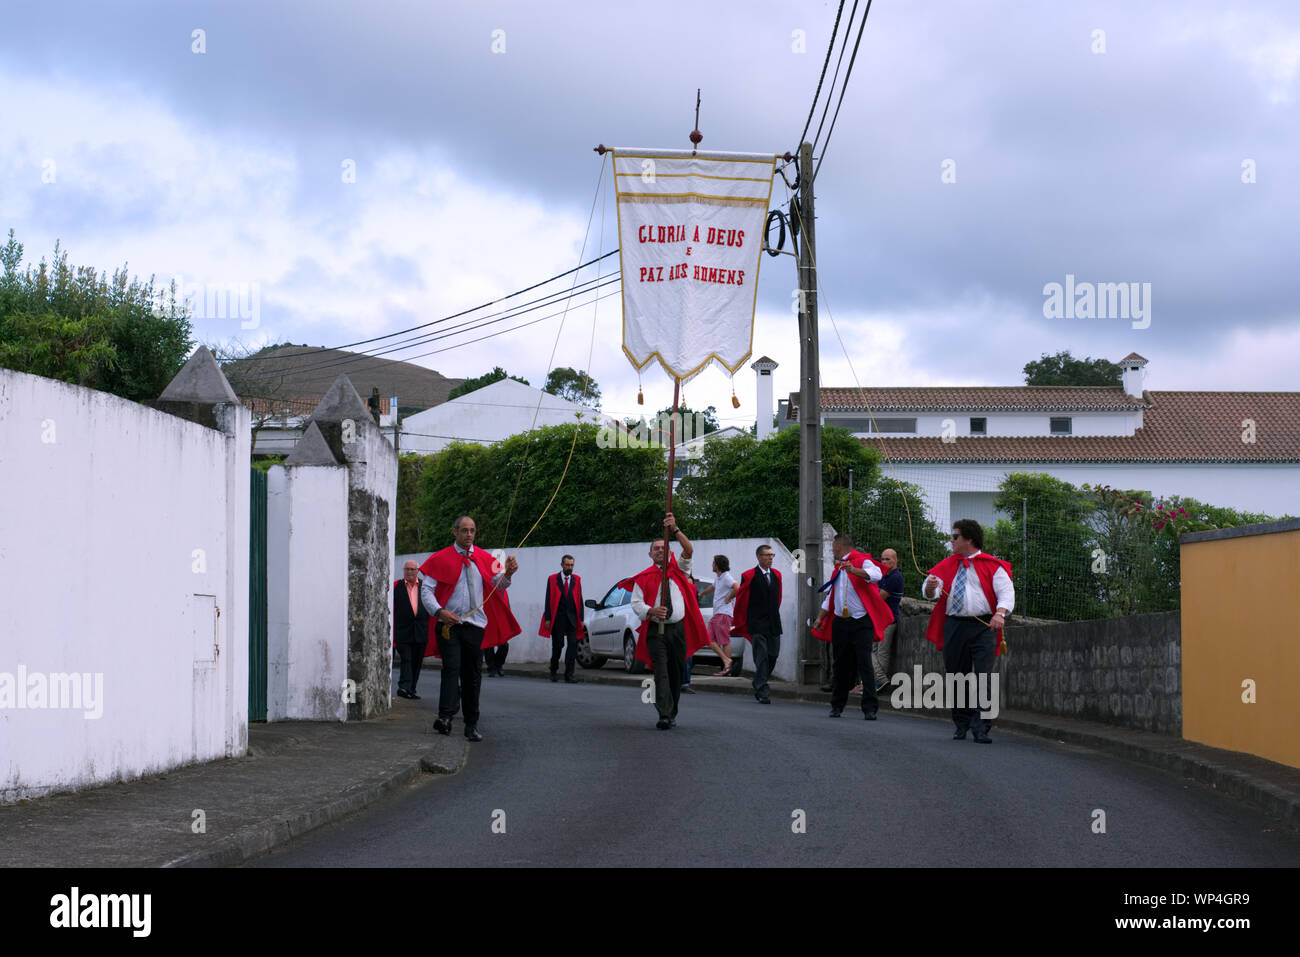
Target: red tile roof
1177, 427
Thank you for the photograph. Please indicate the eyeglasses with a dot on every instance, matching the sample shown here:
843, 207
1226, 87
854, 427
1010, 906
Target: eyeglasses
956, 534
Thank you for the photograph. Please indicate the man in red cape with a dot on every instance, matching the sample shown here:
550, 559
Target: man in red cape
960, 625
758, 618
682, 631
562, 618
852, 617
465, 596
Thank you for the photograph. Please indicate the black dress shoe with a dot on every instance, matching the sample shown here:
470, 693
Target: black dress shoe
472, 733
570, 680
663, 724
403, 694
442, 725
765, 700
959, 734
554, 676
413, 696
836, 712
981, 737
869, 715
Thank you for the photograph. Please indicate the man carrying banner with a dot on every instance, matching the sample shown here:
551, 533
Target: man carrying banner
758, 618
974, 584
465, 596
852, 617
670, 631
562, 618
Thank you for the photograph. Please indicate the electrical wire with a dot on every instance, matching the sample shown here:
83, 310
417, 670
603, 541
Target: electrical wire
848, 73
813, 109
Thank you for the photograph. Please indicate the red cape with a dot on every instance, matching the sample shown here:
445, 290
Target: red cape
740, 619
650, 580
553, 603
445, 568
986, 567
868, 593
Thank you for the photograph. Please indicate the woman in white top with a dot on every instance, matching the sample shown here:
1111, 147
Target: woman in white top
724, 590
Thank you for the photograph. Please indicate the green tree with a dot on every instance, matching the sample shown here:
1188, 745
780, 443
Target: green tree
1064, 369
708, 418
487, 378
116, 334
1049, 544
574, 385
410, 519
607, 494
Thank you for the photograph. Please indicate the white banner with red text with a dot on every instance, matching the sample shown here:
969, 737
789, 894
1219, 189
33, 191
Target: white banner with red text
690, 238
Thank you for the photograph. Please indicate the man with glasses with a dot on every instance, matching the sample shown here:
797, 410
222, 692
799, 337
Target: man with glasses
966, 587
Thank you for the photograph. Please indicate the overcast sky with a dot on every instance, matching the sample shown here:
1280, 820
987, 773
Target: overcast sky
474, 170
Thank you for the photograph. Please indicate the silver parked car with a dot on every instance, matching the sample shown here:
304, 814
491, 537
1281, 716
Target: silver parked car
611, 627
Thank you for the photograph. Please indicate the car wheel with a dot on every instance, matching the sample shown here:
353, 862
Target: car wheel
630, 664
585, 658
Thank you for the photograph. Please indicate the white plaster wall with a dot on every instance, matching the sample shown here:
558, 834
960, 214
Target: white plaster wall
1272, 489
116, 549
1010, 424
307, 600
600, 566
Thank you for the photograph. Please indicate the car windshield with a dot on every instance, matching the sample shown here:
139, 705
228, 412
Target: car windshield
616, 596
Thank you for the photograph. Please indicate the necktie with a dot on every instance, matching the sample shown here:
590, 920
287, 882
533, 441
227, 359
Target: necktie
959, 592
844, 591
668, 599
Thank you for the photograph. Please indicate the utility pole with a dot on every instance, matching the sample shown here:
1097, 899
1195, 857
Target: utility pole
811, 660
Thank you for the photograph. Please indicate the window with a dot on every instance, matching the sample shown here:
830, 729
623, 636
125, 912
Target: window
881, 425
1061, 425
979, 426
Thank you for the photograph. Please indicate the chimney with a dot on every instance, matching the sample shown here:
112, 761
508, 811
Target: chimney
1134, 374
763, 370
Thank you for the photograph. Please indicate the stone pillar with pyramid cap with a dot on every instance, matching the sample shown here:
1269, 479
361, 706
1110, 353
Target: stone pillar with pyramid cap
352, 437
201, 394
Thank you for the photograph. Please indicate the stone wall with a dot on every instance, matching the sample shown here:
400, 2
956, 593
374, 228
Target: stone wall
1123, 671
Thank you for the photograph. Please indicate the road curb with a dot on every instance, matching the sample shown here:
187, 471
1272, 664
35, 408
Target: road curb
1185, 758
256, 840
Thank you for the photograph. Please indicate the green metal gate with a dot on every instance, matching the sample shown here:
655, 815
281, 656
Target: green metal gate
257, 597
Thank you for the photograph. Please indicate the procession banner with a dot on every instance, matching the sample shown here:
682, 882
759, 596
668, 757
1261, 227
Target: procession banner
690, 238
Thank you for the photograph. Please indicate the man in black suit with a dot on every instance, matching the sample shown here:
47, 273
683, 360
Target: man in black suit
410, 629
758, 615
562, 618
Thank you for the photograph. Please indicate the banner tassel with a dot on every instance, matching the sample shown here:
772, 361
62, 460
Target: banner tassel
735, 402
640, 399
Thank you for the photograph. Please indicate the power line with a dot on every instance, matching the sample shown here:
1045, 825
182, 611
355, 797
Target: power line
455, 315
825, 146
835, 76
812, 109
473, 325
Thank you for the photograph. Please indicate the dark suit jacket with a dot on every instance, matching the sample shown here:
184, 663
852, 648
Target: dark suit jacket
409, 628
564, 614
764, 610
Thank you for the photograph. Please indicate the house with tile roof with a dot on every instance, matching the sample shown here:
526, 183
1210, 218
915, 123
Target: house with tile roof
1235, 449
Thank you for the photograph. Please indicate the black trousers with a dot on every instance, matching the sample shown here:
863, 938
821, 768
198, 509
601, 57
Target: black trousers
851, 641
412, 655
969, 647
462, 672
668, 661
766, 648
494, 659
560, 632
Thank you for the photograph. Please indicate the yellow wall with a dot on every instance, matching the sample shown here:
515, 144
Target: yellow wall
1241, 619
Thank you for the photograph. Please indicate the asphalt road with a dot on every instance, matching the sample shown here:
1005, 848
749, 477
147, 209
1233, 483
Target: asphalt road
578, 775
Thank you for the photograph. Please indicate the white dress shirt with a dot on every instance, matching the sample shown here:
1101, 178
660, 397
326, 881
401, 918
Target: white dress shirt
974, 603
679, 605
844, 594
467, 595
